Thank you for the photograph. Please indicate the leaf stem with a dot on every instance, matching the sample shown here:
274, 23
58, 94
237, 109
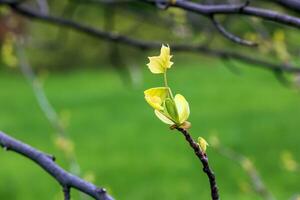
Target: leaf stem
165, 79
166, 84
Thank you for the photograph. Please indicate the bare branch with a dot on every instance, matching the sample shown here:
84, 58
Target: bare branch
8, 2
64, 178
231, 36
204, 160
290, 4
148, 45
229, 9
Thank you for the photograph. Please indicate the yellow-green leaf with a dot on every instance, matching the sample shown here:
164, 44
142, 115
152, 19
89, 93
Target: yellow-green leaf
156, 96
170, 109
163, 117
183, 108
159, 64
203, 144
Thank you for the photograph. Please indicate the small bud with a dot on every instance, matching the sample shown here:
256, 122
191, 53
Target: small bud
202, 144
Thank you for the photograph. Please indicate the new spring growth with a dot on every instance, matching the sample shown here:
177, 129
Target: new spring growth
202, 144
172, 110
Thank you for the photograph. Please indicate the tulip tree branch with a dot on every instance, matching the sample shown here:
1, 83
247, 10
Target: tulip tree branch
204, 160
64, 178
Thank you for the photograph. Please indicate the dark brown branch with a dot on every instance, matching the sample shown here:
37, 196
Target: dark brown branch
231, 36
204, 160
64, 178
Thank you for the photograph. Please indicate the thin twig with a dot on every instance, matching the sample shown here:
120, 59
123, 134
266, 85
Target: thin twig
64, 178
231, 36
204, 160
43, 102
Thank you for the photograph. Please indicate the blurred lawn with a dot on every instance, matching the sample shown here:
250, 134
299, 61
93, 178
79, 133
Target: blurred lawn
132, 153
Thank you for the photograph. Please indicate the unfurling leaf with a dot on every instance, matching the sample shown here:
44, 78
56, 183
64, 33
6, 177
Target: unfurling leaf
202, 144
170, 110
159, 64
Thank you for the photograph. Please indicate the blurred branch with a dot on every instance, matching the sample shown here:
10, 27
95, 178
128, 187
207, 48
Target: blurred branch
68, 12
256, 181
206, 10
65, 179
229, 9
38, 91
231, 66
290, 4
280, 76
231, 36
47, 109
147, 45
295, 197
204, 160
105, 1
43, 6
9, 2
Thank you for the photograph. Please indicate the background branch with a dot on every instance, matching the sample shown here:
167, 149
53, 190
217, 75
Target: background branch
229, 9
231, 36
149, 45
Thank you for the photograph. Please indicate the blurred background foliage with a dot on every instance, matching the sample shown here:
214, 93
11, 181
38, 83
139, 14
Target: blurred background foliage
60, 46
96, 90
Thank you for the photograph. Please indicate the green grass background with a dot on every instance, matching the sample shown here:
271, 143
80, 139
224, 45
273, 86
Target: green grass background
132, 153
